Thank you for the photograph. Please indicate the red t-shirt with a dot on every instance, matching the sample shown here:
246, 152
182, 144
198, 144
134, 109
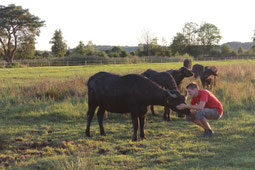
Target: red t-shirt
210, 100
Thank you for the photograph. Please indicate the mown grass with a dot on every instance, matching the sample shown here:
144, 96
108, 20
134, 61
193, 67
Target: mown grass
43, 121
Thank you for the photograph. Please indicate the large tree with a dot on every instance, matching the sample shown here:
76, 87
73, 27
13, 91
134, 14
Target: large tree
15, 24
208, 37
59, 47
80, 49
179, 44
209, 34
196, 41
226, 50
147, 40
190, 33
90, 48
240, 50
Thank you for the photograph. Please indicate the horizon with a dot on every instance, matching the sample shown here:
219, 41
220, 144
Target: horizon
115, 23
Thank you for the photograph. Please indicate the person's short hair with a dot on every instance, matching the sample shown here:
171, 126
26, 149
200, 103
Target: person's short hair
192, 85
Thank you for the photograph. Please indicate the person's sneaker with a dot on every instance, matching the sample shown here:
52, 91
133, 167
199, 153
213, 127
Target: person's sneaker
208, 133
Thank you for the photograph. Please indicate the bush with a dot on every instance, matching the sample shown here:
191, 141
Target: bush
132, 53
15, 65
102, 54
124, 53
134, 59
46, 54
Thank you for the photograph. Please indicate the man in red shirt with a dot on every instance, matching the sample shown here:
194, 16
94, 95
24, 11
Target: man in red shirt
204, 105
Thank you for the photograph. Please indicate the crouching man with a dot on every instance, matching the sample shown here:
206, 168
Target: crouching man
204, 105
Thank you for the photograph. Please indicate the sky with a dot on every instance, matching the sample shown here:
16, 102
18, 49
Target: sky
122, 22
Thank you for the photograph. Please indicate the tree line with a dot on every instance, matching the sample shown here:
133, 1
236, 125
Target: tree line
19, 28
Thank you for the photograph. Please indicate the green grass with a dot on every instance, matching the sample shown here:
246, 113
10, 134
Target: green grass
28, 76
43, 121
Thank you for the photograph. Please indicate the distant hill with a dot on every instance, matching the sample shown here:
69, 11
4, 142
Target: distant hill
236, 45
108, 47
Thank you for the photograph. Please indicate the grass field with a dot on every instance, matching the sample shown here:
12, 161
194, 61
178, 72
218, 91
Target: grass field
43, 121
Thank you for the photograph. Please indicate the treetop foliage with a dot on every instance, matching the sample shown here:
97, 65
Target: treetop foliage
14, 19
16, 24
59, 46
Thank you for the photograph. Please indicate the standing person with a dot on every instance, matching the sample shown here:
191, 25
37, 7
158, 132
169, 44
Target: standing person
204, 105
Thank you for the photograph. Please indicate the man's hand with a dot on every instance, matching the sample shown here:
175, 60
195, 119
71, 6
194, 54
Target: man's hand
192, 112
181, 106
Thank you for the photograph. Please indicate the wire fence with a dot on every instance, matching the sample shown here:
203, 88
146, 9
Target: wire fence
103, 61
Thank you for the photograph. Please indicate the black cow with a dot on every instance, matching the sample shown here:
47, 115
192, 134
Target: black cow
187, 63
166, 81
197, 69
180, 74
208, 77
131, 93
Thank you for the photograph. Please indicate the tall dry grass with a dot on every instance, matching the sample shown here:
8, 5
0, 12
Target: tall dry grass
53, 111
48, 89
235, 88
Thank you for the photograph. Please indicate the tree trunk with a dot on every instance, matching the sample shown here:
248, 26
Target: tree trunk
9, 58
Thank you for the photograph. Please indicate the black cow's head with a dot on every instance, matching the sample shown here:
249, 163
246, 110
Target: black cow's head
174, 99
185, 72
209, 72
187, 63
212, 70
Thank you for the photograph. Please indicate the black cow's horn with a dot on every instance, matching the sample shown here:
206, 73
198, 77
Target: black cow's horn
172, 94
186, 95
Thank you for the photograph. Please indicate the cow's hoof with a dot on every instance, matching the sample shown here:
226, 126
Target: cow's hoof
142, 137
134, 139
88, 134
103, 134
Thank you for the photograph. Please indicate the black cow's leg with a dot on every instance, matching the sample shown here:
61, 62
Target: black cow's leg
142, 120
135, 125
203, 82
167, 114
90, 115
152, 110
100, 117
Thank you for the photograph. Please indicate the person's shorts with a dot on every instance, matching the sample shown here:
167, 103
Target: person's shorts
209, 114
